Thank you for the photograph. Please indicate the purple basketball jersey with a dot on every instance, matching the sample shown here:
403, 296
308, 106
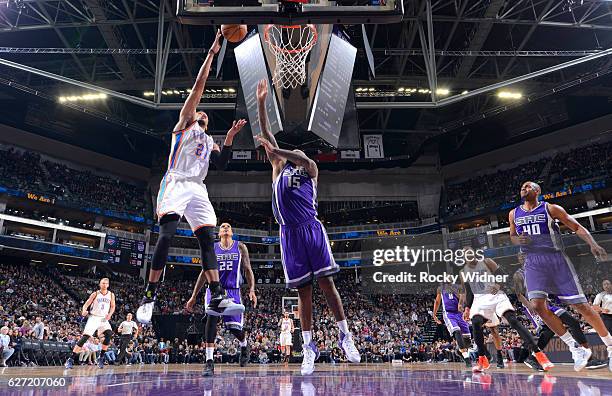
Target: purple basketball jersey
450, 301
229, 265
294, 196
540, 227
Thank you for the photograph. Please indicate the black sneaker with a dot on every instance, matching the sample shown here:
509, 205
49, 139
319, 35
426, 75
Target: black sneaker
245, 355
595, 364
533, 364
500, 364
468, 362
209, 369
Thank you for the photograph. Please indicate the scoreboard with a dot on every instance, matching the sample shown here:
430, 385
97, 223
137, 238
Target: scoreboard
124, 251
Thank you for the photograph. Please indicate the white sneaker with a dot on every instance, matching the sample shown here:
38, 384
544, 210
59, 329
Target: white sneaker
581, 356
311, 354
145, 312
348, 346
224, 307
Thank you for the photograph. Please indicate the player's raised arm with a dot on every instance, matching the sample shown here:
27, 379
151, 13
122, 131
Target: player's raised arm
248, 272
220, 157
192, 101
262, 93
557, 212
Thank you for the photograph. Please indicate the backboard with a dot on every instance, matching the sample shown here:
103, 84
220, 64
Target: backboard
254, 12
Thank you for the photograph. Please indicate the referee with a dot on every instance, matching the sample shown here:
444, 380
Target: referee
603, 304
128, 330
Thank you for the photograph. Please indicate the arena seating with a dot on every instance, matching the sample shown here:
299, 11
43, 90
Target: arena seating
27, 172
565, 169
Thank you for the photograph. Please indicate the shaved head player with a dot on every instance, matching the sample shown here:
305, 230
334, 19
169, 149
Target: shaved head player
305, 249
547, 269
182, 193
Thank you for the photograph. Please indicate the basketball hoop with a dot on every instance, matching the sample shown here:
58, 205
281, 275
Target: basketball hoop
290, 45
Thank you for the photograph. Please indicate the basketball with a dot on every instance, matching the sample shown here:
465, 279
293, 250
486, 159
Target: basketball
234, 33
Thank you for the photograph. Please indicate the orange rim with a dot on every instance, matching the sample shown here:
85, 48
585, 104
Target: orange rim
293, 51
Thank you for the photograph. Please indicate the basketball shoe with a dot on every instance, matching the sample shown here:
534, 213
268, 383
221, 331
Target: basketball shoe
581, 356
145, 310
348, 346
222, 305
209, 368
245, 354
543, 360
482, 365
311, 354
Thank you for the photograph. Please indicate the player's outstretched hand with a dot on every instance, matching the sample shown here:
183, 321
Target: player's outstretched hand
599, 252
253, 298
217, 43
435, 318
236, 127
265, 143
262, 89
84, 313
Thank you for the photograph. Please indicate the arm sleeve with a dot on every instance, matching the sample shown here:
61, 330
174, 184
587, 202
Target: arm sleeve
220, 159
469, 296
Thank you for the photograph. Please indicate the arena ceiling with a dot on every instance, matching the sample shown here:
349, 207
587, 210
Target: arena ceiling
428, 69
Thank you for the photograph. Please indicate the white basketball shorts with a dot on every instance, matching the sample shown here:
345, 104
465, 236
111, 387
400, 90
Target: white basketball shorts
186, 197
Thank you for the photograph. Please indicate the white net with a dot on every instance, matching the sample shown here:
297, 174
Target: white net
290, 46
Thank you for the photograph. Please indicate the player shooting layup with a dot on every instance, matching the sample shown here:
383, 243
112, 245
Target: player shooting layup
305, 249
183, 193
102, 308
547, 268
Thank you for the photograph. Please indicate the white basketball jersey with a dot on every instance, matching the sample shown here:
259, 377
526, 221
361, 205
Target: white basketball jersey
477, 286
286, 325
101, 304
190, 152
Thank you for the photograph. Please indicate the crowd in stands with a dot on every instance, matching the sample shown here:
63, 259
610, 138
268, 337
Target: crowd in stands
44, 303
563, 170
28, 172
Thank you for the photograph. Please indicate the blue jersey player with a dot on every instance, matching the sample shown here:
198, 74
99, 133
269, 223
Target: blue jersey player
232, 259
547, 268
305, 249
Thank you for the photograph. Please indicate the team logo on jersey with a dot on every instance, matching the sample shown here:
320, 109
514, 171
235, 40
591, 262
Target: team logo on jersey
530, 219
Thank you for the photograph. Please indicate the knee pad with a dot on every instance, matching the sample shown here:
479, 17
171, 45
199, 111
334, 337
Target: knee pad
83, 340
167, 228
478, 321
206, 239
107, 337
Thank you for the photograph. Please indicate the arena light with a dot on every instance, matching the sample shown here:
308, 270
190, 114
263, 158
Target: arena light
509, 95
83, 98
464, 92
442, 91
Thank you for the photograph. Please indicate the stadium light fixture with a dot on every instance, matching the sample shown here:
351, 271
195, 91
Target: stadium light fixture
442, 91
81, 98
509, 95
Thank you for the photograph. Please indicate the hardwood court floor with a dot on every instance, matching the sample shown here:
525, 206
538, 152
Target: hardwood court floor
342, 379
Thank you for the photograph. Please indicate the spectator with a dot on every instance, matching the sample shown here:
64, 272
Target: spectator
5, 346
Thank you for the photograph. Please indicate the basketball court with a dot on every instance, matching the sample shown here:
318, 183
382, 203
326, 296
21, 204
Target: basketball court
342, 379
